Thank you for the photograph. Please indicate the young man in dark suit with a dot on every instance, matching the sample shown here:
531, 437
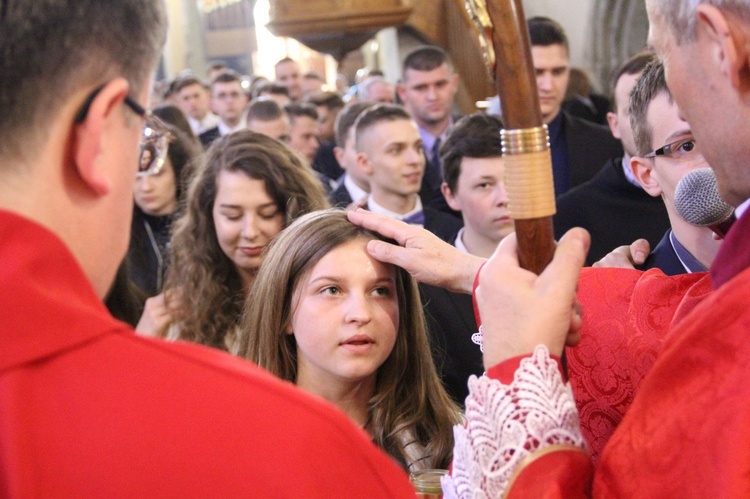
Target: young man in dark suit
390, 154
474, 185
353, 184
228, 101
612, 205
579, 148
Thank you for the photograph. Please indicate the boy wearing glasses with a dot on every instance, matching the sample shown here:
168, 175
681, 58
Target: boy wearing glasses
228, 101
666, 153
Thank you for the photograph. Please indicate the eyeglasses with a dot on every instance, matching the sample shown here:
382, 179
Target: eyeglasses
683, 149
155, 137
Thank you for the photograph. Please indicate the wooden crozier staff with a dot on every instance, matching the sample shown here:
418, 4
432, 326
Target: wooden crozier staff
528, 162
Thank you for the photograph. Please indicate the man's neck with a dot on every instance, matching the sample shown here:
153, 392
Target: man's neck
397, 203
435, 129
477, 244
551, 117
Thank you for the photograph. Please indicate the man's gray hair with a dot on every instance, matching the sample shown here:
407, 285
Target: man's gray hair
681, 19
52, 49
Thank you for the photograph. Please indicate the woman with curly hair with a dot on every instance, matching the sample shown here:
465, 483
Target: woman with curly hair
248, 188
351, 330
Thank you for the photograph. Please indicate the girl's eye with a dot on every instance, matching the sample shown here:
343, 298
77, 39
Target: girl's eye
330, 290
382, 291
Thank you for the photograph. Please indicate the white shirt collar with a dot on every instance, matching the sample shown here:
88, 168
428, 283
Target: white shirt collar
355, 192
376, 208
459, 244
225, 130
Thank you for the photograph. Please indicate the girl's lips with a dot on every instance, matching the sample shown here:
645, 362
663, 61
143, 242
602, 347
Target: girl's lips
252, 251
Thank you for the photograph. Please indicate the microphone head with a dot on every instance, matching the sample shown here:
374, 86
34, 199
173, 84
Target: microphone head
697, 199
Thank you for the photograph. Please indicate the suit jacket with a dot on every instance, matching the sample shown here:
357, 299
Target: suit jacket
444, 226
614, 211
340, 197
325, 161
450, 325
664, 258
207, 138
589, 147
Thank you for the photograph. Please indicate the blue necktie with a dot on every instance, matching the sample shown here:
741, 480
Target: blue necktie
415, 218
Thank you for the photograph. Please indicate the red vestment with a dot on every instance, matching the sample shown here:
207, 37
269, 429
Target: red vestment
627, 314
89, 409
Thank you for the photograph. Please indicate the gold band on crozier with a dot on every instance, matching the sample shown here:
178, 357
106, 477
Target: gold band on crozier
525, 140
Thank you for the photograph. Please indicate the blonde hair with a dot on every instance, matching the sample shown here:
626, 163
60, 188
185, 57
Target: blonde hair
209, 287
410, 415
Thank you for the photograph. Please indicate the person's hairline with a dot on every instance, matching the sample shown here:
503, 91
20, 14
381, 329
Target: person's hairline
370, 126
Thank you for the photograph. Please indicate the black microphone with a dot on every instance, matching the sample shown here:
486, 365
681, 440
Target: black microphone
697, 200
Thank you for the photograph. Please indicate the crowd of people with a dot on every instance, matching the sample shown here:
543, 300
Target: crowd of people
318, 292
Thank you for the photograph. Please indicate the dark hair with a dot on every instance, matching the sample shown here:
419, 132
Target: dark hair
544, 31
211, 289
173, 115
473, 136
294, 111
634, 65
376, 114
187, 81
331, 100
651, 83
270, 88
51, 50
424, 58
346, 118
264, 110
227, 76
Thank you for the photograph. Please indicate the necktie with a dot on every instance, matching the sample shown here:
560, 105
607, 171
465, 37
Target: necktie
415, 218
436, 155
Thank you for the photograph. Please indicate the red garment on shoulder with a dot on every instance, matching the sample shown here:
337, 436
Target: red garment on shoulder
89, 409
626, 316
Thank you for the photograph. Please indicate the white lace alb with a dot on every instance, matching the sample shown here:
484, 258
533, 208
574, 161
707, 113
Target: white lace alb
507, 423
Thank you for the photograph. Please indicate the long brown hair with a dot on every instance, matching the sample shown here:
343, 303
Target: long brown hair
410, 415
210, 289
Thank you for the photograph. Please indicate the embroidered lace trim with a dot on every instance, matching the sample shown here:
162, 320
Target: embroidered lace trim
507, 423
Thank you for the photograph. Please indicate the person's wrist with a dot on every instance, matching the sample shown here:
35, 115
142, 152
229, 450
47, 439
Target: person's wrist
467, 273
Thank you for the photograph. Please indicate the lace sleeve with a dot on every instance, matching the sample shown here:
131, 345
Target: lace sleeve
507, 423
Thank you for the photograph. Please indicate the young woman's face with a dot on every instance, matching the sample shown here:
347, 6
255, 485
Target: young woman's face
157, 194
345, 317
246, 219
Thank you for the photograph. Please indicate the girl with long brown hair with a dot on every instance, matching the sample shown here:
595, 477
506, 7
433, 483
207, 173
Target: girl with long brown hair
326, 316
248, 188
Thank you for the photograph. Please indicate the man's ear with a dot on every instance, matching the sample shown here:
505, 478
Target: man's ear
643, 170
730, 43
338, 153
449, 197
613, 121
364, 164
91, 135
401, 91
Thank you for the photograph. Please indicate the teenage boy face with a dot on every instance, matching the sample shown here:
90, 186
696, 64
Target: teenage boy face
481, 197
393, 157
